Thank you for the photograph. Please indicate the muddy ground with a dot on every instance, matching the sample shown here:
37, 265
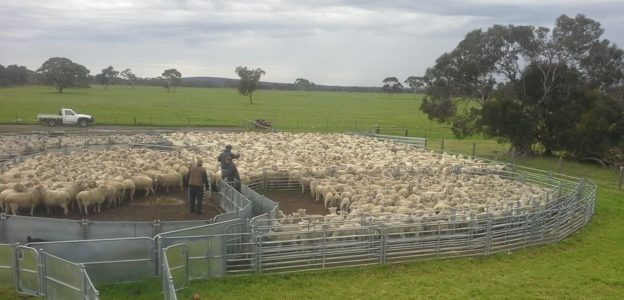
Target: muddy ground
174, 206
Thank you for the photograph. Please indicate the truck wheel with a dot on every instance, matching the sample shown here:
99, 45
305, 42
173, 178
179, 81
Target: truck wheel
82, 123
51, 123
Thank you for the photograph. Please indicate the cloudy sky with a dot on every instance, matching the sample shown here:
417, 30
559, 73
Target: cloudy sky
343, 42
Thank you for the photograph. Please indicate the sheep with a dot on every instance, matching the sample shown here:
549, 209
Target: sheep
9, 189
91, 197
29, 198
169, 180
142, 182
129, 188
55, 198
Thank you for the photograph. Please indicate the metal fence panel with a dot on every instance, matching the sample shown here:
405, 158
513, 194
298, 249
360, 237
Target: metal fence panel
16, 229
7, 265
28, 281
90, 292
109, 230
167, 281
110, 260
166, 226
177, 257
62, 279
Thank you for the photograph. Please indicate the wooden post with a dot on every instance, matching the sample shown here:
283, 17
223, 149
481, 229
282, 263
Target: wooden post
474, 149
559, 164
134, 120
405, 132
442, 147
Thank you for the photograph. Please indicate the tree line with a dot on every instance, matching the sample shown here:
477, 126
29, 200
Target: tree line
543, 91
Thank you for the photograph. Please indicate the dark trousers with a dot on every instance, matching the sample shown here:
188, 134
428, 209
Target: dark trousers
196, 196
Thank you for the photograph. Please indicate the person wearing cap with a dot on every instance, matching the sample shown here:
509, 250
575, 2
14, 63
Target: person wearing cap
197, 180
227, 152
230, 173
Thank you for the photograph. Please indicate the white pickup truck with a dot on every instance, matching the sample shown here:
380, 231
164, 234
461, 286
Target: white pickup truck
66, 116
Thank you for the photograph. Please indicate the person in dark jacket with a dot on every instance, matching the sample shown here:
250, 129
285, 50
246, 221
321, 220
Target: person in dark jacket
230, 173
227, 152
197, 180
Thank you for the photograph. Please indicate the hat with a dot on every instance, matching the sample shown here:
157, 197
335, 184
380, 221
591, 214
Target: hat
228, 146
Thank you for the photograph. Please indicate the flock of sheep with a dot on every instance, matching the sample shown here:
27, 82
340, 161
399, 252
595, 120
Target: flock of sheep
353, 176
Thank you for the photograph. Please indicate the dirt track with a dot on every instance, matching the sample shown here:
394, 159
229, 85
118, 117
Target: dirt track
106, 129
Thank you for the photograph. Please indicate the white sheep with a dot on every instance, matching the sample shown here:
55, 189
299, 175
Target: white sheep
129, 188
56, 198
169, 180
29, 198
142, 182
90, 197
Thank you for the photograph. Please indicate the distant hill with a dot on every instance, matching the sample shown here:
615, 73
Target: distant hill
220, 82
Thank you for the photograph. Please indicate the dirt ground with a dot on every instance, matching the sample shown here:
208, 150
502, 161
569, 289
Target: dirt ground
165, 207
174, 207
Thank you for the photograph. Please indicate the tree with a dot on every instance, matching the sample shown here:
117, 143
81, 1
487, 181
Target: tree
304, 84
14, 75
392, 85
108, 75
535, 88
171, 77
248, 82
63, 73
129, 76
415, 83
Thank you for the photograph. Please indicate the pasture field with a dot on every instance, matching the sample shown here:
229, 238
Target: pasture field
587, 265
288, 110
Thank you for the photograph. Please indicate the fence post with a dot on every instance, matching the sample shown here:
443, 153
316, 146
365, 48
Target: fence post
474, 149
405, 132
620, 181
442, 147
134, 120
488, 236
559, 164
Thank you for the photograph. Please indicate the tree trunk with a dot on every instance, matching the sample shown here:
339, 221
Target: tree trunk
250, 98
60, 88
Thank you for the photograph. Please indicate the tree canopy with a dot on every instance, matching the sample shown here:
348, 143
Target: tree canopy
248, 82
392, 85
540, 90
108, 75
172, 78
304, 84
63, 73
15, 75
129, 76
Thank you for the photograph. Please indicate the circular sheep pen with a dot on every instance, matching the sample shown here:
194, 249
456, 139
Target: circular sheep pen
357, 175
344, 200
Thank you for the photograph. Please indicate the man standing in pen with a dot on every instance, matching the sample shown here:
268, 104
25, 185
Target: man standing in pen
197, 181
227, 152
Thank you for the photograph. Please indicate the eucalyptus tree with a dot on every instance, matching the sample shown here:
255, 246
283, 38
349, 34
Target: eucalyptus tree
63, 73
530, 86
248, 82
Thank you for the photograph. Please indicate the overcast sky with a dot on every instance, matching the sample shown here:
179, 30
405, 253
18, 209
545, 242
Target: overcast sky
342, 42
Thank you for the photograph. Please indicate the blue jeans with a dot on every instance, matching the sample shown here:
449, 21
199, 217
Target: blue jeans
196, 196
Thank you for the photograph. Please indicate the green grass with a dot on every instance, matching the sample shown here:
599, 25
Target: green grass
288, 110
587, 265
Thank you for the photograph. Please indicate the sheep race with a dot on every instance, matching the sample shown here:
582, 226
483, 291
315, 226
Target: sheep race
349, 176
